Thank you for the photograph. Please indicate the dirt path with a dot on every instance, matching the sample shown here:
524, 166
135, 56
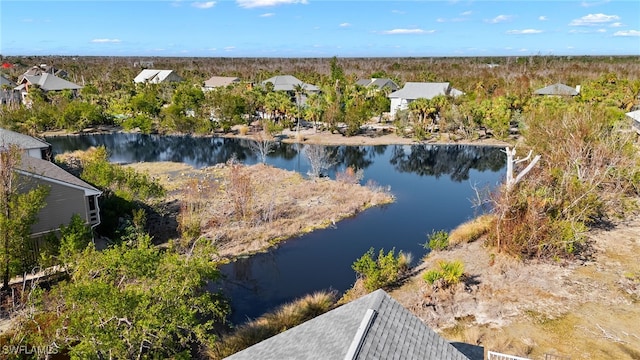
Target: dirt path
581, 310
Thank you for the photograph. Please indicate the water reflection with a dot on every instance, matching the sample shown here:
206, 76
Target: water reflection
453, 160
432, 185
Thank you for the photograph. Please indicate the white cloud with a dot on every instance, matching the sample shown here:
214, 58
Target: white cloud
267, 15
542, 18
203, 5
616, 24
466, 13
407, 31
524, 32
103, 41
499, 19
627, 33
397, 12
229, 48
345, 24
601, 30
27, 20
594, 19
441, 20
248, 4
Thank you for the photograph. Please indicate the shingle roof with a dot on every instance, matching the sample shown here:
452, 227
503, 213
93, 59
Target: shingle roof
8, 137
557, 89
377, 82
5, 81
387, 331
152, 75
48, 170
48, 82
287, 83
417, 90
218, 81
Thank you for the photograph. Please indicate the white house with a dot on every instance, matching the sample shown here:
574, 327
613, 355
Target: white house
411, 91
157, 76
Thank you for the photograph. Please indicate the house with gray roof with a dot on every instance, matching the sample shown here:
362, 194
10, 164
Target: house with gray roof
374, 326
68, 194
558, 90
8, 95
219, 81
30, 146
288, 83
378, 83
154, 76
46, 82
411, 91
635, 120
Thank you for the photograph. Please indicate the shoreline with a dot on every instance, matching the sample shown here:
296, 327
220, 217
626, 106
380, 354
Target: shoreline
311, 137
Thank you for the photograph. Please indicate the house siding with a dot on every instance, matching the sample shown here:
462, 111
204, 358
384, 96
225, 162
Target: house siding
61, 203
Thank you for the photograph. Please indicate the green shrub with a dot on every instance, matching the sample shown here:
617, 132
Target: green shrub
448, 272
438, 240
382, 271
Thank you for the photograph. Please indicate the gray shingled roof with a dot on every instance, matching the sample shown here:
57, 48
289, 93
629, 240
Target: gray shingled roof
417, 90
48, 82
218, 81
25, 142
378, 82
393, 332
48, 170
557, 89
5, 81
287, 83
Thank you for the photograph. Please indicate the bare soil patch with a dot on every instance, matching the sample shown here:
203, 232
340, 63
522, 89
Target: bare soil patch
277, 205
585, 309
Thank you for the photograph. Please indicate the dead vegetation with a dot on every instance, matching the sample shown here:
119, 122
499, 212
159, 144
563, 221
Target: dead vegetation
584, 309
246, 209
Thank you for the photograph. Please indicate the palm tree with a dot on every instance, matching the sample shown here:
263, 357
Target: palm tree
299, 90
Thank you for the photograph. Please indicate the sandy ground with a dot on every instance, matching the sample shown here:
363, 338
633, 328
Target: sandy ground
280, 204
587, 309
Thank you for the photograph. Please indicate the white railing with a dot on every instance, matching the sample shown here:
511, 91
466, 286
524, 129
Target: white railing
492, 355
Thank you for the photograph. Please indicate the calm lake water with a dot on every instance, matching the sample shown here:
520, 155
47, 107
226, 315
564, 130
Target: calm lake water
433, 184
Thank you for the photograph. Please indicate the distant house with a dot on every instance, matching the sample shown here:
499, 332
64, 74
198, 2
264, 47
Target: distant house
288, 83
374, 326
47, 82
378, 83
68, 194
44, 69
157, 76
219, 81
558, 90
635, 118
8, 94
411, 91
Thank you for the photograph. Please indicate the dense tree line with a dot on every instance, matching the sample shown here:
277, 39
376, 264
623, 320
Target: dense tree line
498, 93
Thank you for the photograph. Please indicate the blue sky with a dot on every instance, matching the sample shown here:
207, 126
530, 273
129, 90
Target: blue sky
319, 28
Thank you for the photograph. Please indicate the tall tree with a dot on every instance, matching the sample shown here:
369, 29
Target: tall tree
19, 208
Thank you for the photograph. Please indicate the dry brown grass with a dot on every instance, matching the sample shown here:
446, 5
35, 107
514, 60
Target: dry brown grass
471, 230
582, 310
273, 323
271, 204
